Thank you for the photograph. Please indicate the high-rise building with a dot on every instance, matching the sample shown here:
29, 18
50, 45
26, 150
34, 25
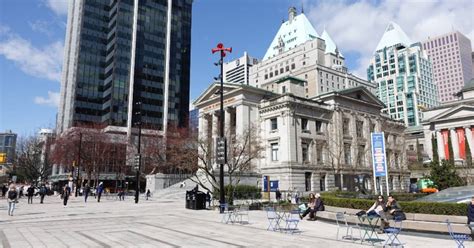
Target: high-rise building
298, 51
122, 52
237, 70
403, 74
451, 57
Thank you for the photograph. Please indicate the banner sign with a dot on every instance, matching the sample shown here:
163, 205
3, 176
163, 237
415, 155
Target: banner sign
462, 142
378, 154
445, 134
266, 183
273, 185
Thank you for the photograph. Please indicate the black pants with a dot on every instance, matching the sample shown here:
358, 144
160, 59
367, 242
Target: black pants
30, 199
65, 200
41, 198
85, 197
98, 197
311, 212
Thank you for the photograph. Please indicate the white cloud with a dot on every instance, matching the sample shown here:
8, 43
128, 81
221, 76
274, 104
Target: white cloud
52, 99
58, 6
42, 62
41, 27
358, 26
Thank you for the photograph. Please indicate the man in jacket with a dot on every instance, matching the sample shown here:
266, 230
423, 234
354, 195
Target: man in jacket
30, 193
43, 191
12, 198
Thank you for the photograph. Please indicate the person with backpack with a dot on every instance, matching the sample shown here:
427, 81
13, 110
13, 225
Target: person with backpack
30, 192
12, 195
66, 194
43, 191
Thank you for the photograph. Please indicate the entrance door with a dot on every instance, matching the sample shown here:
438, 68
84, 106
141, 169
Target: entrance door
307, 181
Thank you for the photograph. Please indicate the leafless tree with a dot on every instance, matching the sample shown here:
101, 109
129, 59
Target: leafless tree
33, 161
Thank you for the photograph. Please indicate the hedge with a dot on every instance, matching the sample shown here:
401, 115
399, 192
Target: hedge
241, 192
439, 208
398, 196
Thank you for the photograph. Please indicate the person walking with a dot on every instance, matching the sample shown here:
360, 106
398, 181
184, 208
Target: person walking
43, 191
86, 192
209, 198
4, 190
100, 189
20, 193
30, 192
66, 194
148, 194
278, 195
12, 199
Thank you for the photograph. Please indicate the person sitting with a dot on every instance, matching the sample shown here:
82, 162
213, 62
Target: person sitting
470, 217
393, 209
315, 204
379, 208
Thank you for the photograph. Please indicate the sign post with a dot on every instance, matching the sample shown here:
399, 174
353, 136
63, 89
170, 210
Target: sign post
379, 160
221, 150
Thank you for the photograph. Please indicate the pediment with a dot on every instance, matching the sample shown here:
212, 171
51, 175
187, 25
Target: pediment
361, 94
461, 111
213, 90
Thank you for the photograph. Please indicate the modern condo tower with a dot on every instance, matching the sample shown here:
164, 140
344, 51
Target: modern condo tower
120, 52
403, 73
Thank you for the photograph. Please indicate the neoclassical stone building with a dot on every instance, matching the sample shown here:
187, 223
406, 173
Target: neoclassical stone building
316, 144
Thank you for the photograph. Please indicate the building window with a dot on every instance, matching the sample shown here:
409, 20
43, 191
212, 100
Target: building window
304, 150
304, 124
347, 153
292, 66
361, 155
319, 154
359, 128
345, 126
274, 124
283, 89
274, 151
319, 125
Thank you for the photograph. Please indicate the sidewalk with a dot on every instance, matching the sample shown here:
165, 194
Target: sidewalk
159, 223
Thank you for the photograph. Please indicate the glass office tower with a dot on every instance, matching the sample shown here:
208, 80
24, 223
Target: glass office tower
120, 52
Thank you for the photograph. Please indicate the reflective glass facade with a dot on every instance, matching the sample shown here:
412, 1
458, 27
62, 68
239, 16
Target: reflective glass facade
104, 45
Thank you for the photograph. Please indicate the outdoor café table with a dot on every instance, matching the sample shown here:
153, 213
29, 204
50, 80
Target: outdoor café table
370, 224
283, 215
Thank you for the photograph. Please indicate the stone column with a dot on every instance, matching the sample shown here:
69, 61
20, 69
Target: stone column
469, 138
454, 142
227, 120
439, 140
215, 124
203, 126
242, 119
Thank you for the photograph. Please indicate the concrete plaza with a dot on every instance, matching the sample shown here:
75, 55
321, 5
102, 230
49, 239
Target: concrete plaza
160, 222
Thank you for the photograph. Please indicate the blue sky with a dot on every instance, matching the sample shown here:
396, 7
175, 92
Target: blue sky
32, 35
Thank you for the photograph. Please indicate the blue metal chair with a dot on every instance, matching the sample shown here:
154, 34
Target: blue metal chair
393, 232
292, 221
341, 222
273, 219
459, 238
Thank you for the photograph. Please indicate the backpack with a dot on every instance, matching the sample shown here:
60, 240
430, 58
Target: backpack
12, 195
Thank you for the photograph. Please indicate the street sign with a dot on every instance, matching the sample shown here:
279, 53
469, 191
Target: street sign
137, 161
221, 150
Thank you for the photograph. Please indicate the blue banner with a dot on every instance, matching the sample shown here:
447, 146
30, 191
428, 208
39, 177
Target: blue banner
273, 185
266, 182
378, 154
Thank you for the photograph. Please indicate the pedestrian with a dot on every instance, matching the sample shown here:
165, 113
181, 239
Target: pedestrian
4, 190
86, 191
148, 194
21, 191
278, 195
66, 194
470, 217
100, 189
12, 195
30, 192
393, 209
208, 198
122, 194
43, 191
288, 196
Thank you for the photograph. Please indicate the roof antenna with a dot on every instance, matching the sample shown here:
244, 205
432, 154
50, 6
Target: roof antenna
302, 8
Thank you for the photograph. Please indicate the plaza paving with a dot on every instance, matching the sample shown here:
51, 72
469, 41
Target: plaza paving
160, 222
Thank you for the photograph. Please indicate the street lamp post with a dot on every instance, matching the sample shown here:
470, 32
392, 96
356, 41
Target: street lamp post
220, 48
138, 156
78, 164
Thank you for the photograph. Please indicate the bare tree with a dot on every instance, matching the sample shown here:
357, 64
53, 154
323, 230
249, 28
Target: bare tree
242, 152
32, 159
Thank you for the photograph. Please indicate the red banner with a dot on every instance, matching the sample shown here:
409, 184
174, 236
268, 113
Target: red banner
461, 142
445, 134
